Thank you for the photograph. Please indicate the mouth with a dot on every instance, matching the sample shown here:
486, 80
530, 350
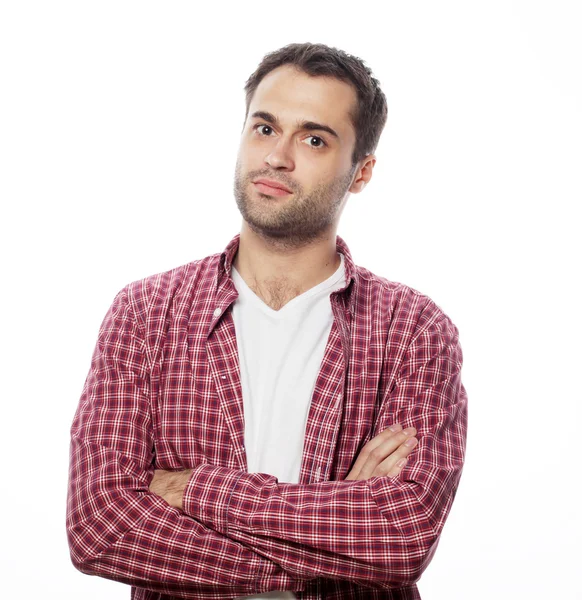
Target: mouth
270, 190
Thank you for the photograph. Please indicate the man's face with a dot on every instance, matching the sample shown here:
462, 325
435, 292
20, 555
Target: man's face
312, 163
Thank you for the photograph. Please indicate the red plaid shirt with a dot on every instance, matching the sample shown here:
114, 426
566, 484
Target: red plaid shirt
164, 392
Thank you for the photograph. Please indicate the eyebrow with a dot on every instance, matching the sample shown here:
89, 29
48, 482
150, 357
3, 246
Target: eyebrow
308, 125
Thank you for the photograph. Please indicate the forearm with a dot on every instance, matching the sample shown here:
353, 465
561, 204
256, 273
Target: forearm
333, 529
118, 529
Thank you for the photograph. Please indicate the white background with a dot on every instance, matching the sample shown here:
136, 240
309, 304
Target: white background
119, 128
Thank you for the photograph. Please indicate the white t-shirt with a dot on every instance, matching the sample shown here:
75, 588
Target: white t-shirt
280, 354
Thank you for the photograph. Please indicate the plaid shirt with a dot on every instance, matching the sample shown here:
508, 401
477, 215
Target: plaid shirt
164, 392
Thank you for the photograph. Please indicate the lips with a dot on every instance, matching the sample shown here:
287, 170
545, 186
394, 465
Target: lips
273, 184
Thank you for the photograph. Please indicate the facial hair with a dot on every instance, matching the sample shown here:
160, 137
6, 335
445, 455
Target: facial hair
295, 220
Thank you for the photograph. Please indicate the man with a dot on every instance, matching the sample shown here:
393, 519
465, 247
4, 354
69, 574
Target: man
273, 421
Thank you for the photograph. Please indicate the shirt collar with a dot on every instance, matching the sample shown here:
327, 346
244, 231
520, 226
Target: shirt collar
227, 256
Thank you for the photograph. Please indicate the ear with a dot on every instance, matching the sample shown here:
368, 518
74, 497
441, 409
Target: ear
363, 174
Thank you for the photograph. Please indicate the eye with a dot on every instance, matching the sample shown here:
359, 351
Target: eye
258, 127
321, 143
261, 127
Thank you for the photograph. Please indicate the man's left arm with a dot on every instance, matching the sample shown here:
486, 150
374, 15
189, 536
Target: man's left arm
380, 532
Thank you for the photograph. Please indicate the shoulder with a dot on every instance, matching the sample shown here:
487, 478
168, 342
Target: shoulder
153, 295
414, 328
396, 302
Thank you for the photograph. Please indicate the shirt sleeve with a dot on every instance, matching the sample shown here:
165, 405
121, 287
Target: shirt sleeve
116, 527
381, 532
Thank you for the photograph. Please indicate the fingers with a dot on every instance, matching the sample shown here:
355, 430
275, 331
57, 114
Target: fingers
381, 454
383, 458
392, 465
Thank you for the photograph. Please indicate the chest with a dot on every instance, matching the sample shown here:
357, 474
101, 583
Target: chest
197, 403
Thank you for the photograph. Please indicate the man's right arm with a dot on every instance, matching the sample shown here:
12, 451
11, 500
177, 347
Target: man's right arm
116, 527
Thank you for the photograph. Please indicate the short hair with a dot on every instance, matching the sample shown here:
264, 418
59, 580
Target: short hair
371, 110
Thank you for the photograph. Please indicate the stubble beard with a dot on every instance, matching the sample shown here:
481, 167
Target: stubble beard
292, 221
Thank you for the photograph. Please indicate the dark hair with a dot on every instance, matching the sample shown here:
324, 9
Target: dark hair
371, 112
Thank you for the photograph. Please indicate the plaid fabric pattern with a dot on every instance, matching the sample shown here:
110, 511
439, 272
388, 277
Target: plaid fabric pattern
163, 391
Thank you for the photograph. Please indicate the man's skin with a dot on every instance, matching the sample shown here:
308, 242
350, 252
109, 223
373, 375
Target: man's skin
288, 243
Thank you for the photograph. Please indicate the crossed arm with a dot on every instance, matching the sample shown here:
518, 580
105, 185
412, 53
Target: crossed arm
384, 455
242, 533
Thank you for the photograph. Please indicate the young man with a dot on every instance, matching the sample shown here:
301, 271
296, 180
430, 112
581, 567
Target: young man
273, 421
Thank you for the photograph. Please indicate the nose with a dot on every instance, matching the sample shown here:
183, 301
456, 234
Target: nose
280, 156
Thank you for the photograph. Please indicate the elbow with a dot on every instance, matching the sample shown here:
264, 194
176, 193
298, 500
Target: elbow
417, 555
79, 559
81, 551
405, 560
80, 563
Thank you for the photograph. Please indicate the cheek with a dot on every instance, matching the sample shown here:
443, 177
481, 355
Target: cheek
315, 173
252, 155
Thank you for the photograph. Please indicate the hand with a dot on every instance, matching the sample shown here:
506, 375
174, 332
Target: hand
385, 454
170, 485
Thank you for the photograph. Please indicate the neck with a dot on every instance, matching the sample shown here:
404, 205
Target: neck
263, 261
